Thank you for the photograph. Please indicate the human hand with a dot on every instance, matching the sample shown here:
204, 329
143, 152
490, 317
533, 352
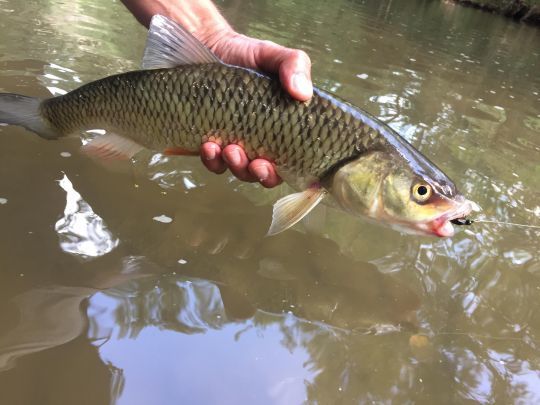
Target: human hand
202, 19
294, 69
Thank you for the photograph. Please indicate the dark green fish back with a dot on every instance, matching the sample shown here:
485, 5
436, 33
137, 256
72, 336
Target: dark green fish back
187, 105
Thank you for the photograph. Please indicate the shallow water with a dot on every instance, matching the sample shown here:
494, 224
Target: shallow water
154, 283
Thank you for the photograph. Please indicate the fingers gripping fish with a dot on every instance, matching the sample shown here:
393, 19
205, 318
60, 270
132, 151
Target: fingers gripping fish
325, 148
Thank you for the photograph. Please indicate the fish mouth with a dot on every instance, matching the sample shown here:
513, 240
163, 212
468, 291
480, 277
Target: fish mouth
442, 226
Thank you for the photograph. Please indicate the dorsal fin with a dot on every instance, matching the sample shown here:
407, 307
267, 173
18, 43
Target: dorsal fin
169, 45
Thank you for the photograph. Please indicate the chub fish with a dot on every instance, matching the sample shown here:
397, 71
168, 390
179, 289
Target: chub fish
325, 148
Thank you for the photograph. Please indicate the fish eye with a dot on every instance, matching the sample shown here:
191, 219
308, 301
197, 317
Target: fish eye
421, 192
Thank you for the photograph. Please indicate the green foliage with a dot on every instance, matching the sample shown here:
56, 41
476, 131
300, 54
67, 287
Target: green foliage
525, 10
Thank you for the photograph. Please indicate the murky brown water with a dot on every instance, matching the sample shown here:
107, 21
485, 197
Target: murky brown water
102, 303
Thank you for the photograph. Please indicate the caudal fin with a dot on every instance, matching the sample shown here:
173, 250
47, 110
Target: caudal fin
16, 109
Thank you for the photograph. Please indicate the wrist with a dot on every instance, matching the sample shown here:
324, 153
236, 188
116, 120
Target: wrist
201, 18
215, 35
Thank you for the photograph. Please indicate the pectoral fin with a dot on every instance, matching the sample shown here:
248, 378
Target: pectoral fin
112, 147
293, 207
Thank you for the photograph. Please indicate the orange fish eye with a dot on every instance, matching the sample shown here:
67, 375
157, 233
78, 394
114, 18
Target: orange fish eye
421, 192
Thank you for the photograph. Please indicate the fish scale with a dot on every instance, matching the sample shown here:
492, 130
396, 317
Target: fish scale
183, 106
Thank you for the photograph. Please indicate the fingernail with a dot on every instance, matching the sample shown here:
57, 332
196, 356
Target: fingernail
263, 173
233, 158
210, 154
302, 84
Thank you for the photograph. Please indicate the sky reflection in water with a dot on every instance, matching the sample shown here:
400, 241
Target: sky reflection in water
179, 349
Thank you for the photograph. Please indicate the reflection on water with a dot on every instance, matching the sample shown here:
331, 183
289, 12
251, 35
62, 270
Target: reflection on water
48, 317
187, 322
192, 332
183, 291
80, 231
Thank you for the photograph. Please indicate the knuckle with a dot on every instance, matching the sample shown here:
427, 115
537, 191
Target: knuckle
301, 56
267, 43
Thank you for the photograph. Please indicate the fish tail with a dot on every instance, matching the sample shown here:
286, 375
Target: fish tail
16, 109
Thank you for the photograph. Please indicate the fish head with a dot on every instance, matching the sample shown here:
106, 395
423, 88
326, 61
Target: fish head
389, 188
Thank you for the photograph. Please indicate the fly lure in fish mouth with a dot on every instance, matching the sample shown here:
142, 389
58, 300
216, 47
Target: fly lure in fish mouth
462, 221
469, 221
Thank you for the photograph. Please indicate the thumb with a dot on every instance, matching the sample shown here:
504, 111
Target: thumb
295, 75
293, 66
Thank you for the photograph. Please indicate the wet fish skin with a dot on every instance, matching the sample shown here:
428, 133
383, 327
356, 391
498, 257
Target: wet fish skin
188, 105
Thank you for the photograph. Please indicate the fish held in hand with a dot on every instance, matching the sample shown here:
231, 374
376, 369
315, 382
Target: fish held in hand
327, 149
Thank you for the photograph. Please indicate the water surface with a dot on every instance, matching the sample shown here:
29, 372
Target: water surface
154, 283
